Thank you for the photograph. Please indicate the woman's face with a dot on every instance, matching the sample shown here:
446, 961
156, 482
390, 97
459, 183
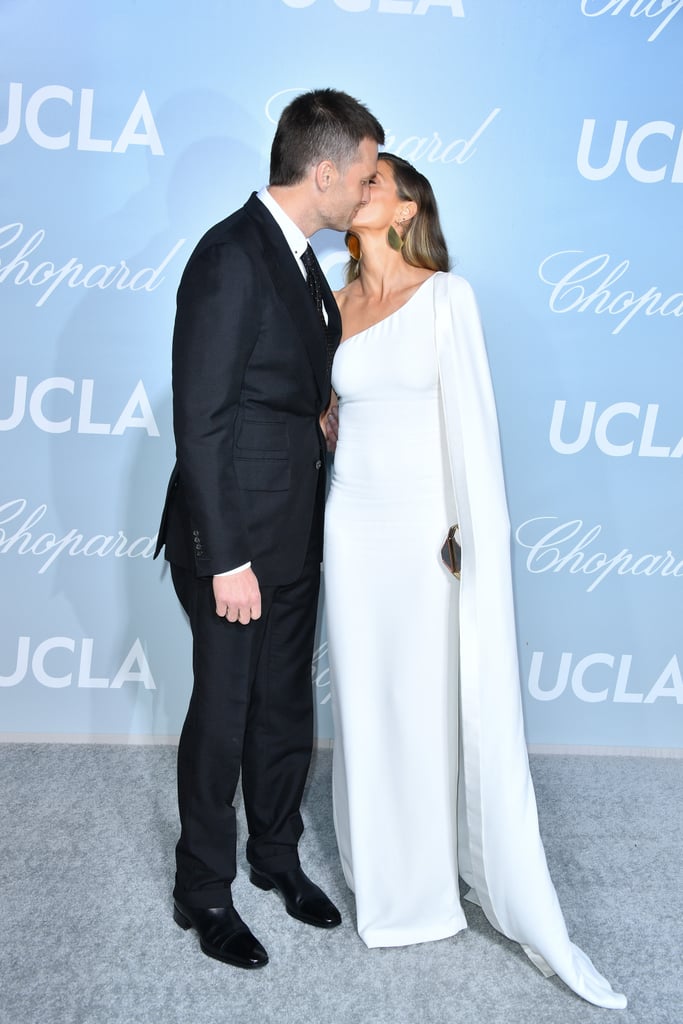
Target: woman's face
384, 203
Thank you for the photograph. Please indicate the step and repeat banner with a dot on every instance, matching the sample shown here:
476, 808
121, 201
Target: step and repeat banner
553, 137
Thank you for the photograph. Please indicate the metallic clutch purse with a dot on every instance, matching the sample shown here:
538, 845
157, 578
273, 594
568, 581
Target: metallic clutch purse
451, 552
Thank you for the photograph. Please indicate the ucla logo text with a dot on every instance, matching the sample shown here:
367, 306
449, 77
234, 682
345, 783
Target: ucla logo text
136, 413
643, 167
49, 658
45, 118
624, 428
599, 677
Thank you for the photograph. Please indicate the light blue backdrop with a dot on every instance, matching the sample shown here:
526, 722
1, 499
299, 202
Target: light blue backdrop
552, 134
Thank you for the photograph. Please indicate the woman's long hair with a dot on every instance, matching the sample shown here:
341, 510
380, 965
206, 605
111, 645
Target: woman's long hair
423, 242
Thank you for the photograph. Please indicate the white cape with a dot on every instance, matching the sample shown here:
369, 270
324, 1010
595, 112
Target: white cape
500, 851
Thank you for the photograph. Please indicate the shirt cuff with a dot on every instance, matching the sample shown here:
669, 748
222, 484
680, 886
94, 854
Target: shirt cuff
231, 572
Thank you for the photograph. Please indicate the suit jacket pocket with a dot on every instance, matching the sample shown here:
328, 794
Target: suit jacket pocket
263, 474
257, 435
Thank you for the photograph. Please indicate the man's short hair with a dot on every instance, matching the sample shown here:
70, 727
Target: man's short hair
324, 124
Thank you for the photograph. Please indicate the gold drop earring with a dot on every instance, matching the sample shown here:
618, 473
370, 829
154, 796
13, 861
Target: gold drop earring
353, 245
394, 239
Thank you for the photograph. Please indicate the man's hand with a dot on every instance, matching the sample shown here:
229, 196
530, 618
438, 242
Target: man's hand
238, 598
329, 422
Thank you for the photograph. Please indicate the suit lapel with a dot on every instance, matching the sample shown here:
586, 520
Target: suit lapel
290, 285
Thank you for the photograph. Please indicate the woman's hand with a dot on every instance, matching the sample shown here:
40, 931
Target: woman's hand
329, 423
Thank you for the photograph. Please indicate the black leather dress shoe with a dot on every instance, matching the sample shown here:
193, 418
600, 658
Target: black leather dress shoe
303, 900
223, 934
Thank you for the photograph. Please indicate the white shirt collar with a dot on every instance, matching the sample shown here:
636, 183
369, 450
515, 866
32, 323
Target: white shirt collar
294, 236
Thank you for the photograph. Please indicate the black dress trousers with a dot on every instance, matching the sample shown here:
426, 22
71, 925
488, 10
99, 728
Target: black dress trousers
251, 710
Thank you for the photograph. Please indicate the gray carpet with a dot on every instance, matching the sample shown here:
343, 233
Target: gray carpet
87, 935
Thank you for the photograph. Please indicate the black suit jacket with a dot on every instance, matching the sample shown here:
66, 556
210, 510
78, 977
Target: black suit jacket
250, 381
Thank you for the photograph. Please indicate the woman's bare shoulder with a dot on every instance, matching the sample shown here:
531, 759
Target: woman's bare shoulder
346, 294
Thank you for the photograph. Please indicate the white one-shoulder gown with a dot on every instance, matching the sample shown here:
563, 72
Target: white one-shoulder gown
430, 774
392, 633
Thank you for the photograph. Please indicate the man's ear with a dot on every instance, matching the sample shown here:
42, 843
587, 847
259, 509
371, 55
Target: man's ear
325, 173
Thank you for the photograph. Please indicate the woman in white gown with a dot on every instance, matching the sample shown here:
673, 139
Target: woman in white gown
431, 776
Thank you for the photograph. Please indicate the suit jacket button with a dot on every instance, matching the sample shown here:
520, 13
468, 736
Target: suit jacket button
318, 464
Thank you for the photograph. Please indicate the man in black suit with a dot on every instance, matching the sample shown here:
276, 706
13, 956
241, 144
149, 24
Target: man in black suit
256, 328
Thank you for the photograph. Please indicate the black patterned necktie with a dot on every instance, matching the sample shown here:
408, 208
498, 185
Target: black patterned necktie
314, 277
314, 281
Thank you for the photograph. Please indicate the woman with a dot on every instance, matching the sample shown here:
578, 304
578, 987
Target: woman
424, 669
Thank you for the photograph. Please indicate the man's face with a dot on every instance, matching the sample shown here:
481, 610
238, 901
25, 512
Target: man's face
351, 189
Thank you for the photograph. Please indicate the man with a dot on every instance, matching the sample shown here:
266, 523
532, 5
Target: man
255, 332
